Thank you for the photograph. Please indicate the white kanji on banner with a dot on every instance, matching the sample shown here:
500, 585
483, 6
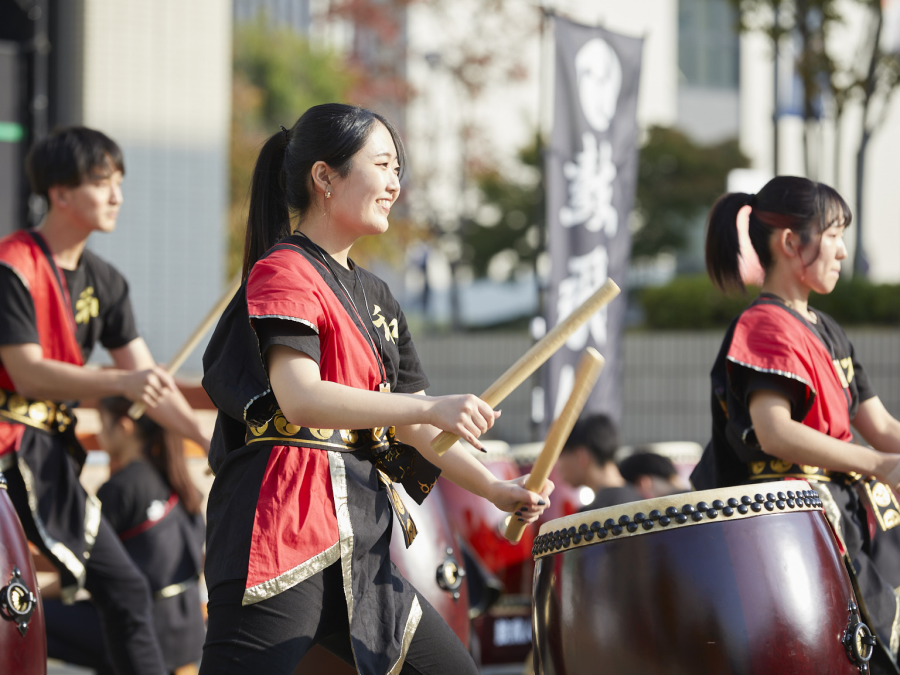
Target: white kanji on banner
591, 177
586, 274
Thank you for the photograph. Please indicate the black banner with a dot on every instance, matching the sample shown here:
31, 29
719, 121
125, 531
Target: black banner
591, 169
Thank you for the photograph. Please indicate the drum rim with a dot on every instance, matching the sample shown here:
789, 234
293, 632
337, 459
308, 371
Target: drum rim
632, 518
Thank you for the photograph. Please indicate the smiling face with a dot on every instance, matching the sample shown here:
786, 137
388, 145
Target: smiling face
361, 201
94, 204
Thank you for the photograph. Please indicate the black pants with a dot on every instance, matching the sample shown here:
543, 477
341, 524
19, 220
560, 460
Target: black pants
272, 636
118, 589
75, 635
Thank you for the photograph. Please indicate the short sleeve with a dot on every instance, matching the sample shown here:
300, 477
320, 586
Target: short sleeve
792, 390
411, 376
291, 334
119, 327
18, 323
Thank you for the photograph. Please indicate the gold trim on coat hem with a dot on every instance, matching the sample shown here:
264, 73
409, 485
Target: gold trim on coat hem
832, 512
92, 509
59, 550
284, 581
415, 615
345, 527
895, 627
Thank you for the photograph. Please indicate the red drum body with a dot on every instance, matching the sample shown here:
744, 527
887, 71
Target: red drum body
481, 525
737, 581
434, 563
23, 639
502, 633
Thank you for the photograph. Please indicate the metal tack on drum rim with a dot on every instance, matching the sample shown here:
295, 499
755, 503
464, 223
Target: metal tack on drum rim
681, 510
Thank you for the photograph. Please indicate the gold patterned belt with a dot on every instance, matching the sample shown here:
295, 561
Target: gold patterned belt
396, 462
49, 416
878, 498
779, 469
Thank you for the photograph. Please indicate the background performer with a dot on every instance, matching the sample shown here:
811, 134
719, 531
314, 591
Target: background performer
587, 459
154, 508
787, 384
57, 300
299, 516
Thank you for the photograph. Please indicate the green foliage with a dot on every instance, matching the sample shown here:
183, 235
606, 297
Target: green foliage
678, 181
520, 214
290, 74
277, 75
856, 302
693, 303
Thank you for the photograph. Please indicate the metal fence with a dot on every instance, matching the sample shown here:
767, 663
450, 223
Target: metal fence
666, 378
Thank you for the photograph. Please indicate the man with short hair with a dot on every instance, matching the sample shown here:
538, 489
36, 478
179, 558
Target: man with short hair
652, 475
587, 460
57, 300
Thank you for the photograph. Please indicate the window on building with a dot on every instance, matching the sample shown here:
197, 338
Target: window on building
708, 43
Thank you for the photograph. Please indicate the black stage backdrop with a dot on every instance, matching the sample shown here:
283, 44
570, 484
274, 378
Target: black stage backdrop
591, 170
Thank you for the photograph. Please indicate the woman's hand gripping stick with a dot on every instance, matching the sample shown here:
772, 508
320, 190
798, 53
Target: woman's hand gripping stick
589, 367
535, 357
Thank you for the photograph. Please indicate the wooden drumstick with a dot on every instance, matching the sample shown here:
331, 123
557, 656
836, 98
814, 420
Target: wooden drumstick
589, 367
535, 357
138, 408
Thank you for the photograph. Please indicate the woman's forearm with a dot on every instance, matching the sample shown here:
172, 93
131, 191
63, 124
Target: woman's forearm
336, 406
792, 441
306, 400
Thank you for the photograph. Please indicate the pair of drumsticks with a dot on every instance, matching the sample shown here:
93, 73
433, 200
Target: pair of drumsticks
586, 374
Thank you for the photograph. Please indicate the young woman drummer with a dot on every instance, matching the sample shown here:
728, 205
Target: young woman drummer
299, 516
787, 384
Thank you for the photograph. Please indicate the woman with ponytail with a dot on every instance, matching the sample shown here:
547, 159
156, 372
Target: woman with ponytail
787, 385
154, 507
321, 409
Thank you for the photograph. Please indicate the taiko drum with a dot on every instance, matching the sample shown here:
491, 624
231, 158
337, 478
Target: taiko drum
23, 639
738, 581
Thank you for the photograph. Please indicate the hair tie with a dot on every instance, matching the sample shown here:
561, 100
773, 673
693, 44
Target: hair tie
287, 134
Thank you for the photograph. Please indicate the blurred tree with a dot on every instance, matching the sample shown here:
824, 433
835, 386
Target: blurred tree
277, 75
678, 181
869, 77
507, 232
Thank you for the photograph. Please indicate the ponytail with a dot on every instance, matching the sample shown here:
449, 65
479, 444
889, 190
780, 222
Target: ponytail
164, 451
269, 219
723, 247
784, 203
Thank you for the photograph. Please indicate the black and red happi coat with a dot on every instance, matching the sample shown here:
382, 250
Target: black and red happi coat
65, 516
817, 367
769, 338
278, 514
21, 252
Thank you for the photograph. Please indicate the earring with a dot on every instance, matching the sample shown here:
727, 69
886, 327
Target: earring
328, 193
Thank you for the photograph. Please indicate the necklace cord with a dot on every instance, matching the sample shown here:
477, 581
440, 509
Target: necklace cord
379, 354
